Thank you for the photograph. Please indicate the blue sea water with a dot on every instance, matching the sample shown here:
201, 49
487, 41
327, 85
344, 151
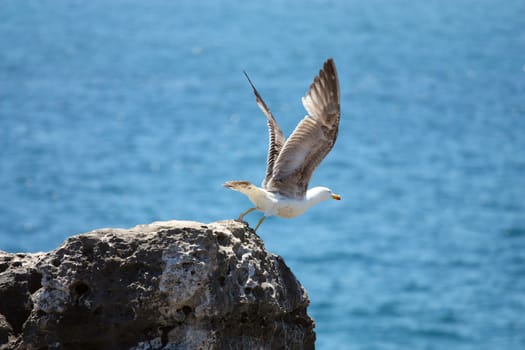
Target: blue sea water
117, 113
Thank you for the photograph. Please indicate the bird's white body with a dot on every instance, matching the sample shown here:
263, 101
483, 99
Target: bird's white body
275, 204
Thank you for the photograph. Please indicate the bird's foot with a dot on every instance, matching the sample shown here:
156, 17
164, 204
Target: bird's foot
241, 217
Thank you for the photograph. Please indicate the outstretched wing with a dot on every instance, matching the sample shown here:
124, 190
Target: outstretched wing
313, 137
276, 137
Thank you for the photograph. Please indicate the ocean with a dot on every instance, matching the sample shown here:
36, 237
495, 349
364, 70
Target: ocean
118, 113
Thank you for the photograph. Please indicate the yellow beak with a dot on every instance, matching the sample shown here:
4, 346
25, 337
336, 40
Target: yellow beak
336, 197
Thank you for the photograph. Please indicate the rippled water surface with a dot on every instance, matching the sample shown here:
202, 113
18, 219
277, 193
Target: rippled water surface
116, 113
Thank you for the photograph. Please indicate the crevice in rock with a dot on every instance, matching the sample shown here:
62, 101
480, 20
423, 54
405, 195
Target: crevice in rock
187, 310
80, 288
35, 281
165, 331
222, 239
222, 281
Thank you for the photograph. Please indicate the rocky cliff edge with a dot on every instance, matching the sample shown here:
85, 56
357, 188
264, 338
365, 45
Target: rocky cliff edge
165, 285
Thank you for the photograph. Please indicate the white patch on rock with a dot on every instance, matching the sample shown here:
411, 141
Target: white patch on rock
183, 274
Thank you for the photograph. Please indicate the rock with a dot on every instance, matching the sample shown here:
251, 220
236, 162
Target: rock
18, 281
166, 285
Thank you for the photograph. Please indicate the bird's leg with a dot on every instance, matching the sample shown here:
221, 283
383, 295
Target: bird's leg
259, 223
241, 217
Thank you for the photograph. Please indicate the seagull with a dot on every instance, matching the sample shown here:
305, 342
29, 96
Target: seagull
291, 162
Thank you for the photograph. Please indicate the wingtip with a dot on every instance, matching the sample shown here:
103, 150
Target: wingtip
329, 65
249, 81
331, 72
323, 96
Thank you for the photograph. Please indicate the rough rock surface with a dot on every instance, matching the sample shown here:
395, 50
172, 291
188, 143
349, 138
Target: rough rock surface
166, 285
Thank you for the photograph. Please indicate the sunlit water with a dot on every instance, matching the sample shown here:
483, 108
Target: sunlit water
116, 113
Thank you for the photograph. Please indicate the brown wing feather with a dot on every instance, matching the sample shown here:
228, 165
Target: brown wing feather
275, 134
313, 137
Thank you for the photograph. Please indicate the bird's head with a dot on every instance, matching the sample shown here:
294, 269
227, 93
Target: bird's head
322, 194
